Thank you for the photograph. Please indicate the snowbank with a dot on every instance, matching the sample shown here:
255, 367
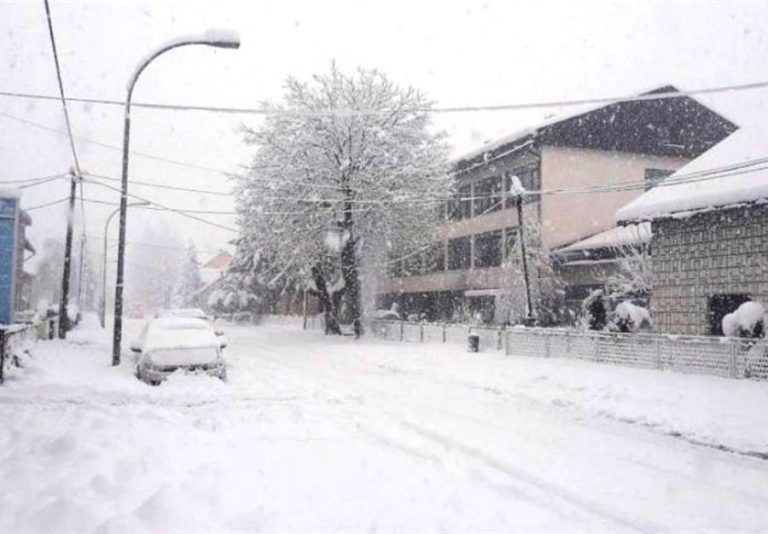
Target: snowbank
742, 322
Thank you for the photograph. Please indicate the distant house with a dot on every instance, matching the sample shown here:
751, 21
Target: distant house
710, 235
466, 271
212, 272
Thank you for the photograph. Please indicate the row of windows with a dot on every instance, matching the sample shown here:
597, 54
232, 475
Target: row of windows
490, 194
490, 248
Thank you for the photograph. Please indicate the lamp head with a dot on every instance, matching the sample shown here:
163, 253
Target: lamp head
222, 38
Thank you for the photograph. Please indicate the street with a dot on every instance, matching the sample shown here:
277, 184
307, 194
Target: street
329, 434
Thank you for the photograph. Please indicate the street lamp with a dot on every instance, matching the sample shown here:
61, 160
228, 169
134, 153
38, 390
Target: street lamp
103, 314
517, 191
216, 38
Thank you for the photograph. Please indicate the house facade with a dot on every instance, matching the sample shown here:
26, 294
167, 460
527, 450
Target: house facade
473, 267
709, 236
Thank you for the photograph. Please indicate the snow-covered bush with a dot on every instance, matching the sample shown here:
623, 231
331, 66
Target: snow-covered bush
594, 313
629, 317
748, 321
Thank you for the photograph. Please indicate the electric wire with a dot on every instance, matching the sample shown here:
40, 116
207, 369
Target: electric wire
340, 112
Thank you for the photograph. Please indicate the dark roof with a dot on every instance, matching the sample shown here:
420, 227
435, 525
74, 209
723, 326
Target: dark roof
676, 127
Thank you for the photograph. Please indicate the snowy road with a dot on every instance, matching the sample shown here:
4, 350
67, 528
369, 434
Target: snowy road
333, 435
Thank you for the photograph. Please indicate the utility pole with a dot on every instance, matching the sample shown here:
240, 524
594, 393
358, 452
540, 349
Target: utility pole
518, 191
64, 300
80, 274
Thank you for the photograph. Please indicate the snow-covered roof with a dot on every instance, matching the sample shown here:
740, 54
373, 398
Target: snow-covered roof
656, 124
694, 187
620, 236
10, 192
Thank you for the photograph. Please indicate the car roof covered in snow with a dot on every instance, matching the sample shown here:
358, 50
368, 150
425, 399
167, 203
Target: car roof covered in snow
183, 312
732, 172
179, 333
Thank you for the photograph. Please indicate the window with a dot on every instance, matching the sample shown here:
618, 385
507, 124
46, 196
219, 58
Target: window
465, 202
488, 249
434, 258
412, 265
510, 243
459, 253
488, 195
396, 269
654, 176
460, 207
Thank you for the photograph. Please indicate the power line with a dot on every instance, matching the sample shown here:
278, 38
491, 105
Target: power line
61, 88
45, 205
109, 146
162, 186
32, 180
167, 208
367, 112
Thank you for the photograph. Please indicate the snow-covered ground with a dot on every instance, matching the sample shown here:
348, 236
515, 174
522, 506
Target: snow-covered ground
335, 435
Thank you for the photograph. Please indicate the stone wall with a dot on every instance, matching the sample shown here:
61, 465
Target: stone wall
710, 253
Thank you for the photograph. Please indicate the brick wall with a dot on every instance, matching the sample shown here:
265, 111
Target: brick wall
710, 253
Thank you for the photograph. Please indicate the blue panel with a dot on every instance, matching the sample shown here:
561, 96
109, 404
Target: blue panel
8, 235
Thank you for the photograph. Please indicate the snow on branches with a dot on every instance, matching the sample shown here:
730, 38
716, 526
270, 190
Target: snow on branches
325, 188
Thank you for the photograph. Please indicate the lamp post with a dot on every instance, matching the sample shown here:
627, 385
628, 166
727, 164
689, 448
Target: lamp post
517, 191
103, 314
218, 39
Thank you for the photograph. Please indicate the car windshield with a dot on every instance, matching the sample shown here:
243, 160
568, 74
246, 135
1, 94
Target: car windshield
183, 356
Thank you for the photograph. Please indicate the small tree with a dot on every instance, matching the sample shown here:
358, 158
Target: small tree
634, 276
190, 280
595, 315
545, 286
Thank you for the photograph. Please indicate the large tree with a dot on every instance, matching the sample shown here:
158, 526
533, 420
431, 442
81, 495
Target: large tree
346, 170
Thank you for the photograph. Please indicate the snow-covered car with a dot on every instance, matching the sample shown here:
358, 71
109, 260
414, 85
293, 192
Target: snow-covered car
192, 313
168, 344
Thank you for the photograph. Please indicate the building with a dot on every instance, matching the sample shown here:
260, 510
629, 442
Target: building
710, 235
25, 251
472, 268
212, 273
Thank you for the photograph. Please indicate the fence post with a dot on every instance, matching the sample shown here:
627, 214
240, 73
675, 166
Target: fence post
2, 355
732, 360
421, 332
546, 345
658, 352
499, 343
506, 349
402, 328
443, 332
596, 347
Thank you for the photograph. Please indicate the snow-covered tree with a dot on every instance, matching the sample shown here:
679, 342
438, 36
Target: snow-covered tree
634, 276
545, 286
252, 282
335, 190
594, 312
189, 278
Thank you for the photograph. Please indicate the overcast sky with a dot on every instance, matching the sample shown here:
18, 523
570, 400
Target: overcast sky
459, 53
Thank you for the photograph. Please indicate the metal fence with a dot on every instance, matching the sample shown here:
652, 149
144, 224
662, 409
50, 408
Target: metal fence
727, 357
